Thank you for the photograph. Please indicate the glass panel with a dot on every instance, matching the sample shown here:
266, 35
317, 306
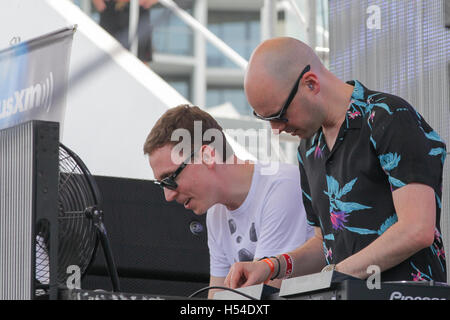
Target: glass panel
171, 35
181, 84
240, 30
235, 95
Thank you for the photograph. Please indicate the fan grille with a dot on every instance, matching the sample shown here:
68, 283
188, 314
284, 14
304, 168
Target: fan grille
77, 238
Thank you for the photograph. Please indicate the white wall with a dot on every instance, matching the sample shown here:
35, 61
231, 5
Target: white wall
113, 99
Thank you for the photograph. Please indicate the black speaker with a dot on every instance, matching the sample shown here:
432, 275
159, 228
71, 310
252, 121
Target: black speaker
28, 197
159, 247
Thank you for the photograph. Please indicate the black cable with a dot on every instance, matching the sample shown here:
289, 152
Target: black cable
223, 288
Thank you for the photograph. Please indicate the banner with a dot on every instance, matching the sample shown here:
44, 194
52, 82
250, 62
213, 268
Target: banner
33, 79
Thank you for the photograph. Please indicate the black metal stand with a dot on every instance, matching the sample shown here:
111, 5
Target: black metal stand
97, 217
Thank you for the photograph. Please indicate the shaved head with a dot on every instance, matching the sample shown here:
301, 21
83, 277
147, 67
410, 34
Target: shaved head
320, 100
276, 63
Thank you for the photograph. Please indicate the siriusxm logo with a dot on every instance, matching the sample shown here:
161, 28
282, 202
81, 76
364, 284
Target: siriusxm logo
38, 95
397, 295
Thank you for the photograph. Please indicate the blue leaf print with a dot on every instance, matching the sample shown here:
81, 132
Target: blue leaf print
433, 135
360, 104
369, 98
313, 139
358, 91
373, 142
361, 230
333, 186
387, 224
420, 276
439, 253
377, 104
396, 183
346, 189
350, 206
310, 223
438, 200
306, 195
329, 236
389, 161
339, 210
383, 106
310, 151
438, 151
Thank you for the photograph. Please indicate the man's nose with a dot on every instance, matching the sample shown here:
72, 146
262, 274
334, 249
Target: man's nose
277, 126
170, 195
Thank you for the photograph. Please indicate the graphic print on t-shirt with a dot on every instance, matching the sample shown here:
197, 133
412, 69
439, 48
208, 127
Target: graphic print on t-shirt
244, 254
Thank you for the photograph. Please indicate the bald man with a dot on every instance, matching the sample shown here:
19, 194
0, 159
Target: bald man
371, 171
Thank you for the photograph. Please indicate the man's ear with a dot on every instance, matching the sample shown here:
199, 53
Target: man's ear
208, 155
312, 81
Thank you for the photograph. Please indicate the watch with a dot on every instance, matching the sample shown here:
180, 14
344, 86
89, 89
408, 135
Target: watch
330, 267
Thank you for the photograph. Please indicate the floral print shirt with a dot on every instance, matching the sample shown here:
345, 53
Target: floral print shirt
383, 144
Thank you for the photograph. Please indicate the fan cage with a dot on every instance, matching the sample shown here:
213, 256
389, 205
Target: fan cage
77, 238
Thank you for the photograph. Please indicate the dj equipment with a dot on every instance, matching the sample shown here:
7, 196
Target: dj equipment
338, 286
78, 294
334, 285
257, 292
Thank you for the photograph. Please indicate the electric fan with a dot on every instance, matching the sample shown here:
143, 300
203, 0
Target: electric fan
80, 225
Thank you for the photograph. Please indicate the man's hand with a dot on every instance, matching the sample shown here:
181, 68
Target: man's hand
308, 258
244, 274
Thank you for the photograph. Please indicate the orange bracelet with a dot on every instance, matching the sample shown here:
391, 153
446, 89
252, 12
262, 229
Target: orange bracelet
272, 268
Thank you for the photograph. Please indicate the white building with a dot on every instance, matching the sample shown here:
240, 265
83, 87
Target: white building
203, 74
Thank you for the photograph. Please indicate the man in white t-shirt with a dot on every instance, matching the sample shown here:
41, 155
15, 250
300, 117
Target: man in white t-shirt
250, 214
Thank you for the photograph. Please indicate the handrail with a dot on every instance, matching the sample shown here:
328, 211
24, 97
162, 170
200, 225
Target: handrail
211, 37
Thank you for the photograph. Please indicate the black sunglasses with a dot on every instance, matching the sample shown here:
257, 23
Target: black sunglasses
169, 182
279, 115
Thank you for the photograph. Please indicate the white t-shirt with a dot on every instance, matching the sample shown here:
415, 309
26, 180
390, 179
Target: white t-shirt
270, 221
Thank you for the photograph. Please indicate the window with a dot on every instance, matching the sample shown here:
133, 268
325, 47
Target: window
171, 35
181, 84
240, 30
217, 95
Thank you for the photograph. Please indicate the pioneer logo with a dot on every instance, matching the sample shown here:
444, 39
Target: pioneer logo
397, 295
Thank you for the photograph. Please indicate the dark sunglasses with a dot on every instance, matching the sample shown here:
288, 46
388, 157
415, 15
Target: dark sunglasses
279, 115
169, 182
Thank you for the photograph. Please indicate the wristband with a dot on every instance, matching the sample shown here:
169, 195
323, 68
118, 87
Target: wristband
279, 267
289, 265
272, 268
